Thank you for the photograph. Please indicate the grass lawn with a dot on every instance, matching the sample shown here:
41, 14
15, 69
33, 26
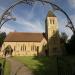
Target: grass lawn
1, 61
49, 65
40, 65
7, 66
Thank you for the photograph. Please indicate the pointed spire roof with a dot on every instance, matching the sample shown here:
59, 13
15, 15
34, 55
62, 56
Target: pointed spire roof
51, 14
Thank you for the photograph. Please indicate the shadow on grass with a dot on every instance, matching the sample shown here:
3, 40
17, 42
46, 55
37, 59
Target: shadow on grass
47, 66
0, 69
53, 65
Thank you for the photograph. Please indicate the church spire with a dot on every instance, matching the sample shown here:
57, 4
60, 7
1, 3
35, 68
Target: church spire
50, 14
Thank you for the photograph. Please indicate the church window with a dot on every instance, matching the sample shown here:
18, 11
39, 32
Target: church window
25, 48
14, 48
21, 48
32, 48
53, 21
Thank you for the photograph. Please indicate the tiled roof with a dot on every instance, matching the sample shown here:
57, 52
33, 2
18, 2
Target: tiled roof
24, 37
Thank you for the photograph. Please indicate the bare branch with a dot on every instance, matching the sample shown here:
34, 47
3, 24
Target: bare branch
7, 12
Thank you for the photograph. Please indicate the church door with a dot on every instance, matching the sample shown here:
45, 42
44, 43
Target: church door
8, 51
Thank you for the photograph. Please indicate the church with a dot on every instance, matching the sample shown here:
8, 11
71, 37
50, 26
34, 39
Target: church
35, 44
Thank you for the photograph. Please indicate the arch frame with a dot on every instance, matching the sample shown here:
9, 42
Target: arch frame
7, 13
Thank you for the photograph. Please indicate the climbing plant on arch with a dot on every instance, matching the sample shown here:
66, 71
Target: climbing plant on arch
7, 15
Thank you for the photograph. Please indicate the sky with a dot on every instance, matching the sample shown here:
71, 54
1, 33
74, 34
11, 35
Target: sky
32, 18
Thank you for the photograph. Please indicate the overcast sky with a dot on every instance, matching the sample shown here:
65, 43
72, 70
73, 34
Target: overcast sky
32, 18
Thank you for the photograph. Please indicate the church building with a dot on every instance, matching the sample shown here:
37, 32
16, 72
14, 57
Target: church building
35, 44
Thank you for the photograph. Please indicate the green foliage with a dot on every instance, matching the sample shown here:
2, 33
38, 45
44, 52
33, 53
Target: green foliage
63, 37
2, 37
70, 46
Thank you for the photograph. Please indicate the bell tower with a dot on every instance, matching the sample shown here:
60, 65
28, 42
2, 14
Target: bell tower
52, 34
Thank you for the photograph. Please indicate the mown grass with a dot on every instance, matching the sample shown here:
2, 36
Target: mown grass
40, 65
5, 66
1, 60
53, 65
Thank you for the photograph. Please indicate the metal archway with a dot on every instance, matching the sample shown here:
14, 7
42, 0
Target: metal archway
7, 13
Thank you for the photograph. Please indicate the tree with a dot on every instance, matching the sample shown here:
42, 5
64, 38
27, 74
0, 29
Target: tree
63, 39
70, 46
2, 37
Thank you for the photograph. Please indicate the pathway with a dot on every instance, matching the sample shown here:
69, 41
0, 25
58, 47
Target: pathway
18, 68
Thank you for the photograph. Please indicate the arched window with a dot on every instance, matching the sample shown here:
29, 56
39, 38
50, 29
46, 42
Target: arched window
25, 48
32, 48
53, 22
21, 48
14, 48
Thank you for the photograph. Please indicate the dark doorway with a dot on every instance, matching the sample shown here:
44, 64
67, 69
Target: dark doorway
8, 51
46, 52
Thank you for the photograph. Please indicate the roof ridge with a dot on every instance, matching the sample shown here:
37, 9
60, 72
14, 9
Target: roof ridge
28, 32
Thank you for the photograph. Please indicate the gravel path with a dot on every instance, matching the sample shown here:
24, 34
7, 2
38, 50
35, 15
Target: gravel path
18, 68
